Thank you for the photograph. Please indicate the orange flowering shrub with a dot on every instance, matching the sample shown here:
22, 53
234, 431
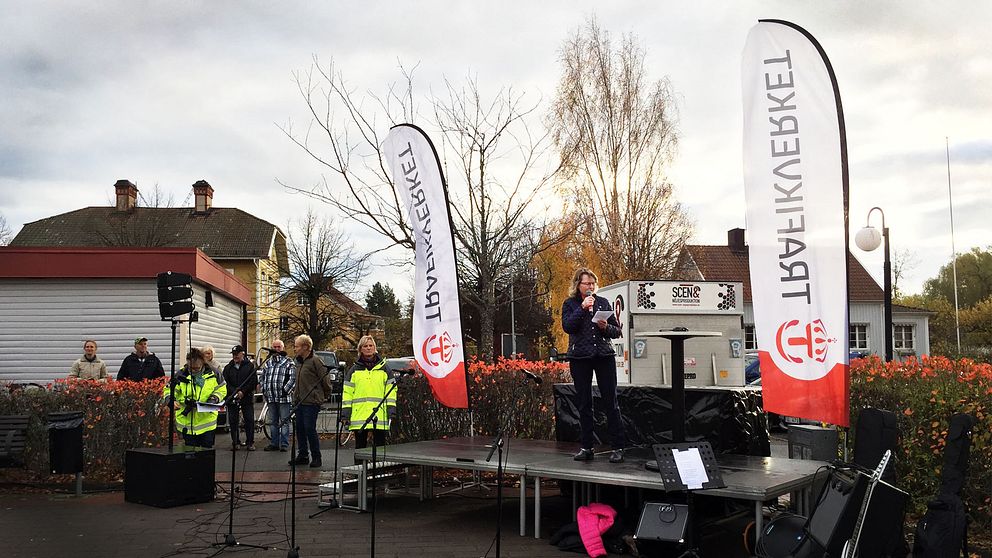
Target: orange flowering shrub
117, 416
925, 393
494, 390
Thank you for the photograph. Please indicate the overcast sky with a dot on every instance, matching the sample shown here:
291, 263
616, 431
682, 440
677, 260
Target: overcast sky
169, 93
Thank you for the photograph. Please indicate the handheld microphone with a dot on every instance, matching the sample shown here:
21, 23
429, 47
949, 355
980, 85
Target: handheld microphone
537, 379
273, 351
592, 309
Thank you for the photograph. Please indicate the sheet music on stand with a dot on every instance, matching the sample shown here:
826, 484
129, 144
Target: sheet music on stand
688, 466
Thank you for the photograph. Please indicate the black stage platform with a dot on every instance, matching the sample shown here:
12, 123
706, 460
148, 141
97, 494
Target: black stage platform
756, 479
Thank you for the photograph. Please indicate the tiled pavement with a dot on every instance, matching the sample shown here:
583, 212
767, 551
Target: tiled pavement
103, 525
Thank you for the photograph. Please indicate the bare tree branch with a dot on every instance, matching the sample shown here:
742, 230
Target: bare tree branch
322, 266
6, 234
615, 131
492, 160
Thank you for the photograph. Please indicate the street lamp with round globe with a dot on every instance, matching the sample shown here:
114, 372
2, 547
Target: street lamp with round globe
868, 239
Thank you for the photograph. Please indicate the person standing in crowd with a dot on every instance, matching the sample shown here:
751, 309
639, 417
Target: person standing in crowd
278, 377
211, 362
89, 366
313, 387
365, 384
241, 380
196, 383
141, 364
590, 351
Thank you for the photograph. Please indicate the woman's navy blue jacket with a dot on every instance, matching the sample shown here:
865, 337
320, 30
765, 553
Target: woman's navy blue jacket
585, 339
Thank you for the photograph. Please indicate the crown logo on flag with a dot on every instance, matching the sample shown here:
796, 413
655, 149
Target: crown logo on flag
437, 349
801, 344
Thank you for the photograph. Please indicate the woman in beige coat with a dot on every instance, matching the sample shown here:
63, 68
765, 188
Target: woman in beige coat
89, 366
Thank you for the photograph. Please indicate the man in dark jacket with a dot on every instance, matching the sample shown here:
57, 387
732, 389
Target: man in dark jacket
239, 374
590, 351
141, 364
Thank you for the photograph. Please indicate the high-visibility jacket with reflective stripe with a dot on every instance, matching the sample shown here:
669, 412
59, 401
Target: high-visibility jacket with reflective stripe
363, 389
191, 388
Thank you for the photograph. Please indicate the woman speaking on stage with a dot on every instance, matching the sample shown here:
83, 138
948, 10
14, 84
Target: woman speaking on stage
590, 351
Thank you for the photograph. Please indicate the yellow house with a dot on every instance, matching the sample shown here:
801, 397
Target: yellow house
336, 322
252, 249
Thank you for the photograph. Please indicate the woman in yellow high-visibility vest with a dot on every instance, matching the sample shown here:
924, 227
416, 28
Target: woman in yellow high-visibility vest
365, 384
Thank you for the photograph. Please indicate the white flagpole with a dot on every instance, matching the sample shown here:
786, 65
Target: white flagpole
954, 251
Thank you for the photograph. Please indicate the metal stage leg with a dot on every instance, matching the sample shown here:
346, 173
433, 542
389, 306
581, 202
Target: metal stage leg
758, 519
537, 507
523, 506
363, 491
575, 499
423, 475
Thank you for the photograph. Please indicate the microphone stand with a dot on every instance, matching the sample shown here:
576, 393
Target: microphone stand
229, 539
335, 501
258, 370
374, 419
294, 551
497, 446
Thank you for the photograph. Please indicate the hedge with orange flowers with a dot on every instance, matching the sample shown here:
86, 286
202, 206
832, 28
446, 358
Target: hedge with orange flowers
117, 416
494, 389
925, 393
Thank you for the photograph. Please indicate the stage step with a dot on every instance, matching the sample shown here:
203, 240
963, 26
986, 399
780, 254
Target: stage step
352, 475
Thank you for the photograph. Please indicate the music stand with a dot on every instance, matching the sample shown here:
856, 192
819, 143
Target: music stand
672, 480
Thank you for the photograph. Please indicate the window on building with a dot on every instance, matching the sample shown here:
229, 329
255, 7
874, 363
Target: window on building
301, 300
859, 337
902, 337
750, 341
283, 323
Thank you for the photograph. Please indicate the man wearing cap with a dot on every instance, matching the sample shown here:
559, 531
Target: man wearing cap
241, 380
141, 365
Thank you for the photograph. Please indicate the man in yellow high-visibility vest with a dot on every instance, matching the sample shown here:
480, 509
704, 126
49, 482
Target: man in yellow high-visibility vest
197, 383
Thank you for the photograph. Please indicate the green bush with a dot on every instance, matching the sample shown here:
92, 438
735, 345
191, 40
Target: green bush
493, 390
117, 416
925, 393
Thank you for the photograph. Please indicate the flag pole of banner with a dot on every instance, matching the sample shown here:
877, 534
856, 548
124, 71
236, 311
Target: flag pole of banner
437, 323
796, 187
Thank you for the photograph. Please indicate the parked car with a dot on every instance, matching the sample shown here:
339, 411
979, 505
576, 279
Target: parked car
331, 359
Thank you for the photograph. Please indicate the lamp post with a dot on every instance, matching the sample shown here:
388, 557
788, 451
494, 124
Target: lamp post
868, 239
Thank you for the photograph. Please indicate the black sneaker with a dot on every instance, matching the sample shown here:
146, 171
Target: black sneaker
299, 461
616, 456
315, 464
270, 448
584, 455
